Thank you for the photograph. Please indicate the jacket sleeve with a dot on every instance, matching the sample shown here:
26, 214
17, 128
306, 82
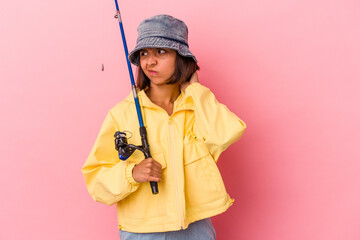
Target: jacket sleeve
108, 179
215, 123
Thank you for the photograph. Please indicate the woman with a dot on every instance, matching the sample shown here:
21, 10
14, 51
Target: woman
187, 131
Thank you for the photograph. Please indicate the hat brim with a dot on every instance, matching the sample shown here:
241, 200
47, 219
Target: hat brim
159, 42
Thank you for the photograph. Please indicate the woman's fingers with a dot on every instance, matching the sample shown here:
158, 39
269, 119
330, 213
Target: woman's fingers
194, 78
154, 162
153, 179
147, 170
156, 169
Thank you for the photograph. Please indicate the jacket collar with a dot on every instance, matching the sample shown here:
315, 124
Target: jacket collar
183, 102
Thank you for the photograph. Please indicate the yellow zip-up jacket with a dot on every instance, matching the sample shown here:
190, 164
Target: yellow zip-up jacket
187, 144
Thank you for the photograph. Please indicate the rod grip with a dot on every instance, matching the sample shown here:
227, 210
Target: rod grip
146, 147
154, 187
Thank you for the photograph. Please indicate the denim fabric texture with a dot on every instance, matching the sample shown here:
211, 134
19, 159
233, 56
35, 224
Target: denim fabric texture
162, 31
200, 230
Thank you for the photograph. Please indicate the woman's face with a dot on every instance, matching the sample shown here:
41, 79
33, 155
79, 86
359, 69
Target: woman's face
158, 64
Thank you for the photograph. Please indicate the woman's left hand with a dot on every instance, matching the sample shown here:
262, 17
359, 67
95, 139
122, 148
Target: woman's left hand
194, 78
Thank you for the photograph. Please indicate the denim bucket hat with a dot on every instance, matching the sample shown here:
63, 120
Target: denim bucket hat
162, 31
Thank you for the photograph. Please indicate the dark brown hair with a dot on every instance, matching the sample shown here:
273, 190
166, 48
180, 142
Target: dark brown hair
184, 68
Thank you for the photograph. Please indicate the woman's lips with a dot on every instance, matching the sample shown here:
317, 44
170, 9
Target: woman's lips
152, 72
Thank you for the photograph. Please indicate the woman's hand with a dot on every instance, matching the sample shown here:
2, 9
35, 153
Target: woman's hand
194, 78
147, 170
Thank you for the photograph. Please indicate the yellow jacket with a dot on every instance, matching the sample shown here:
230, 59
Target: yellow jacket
187, 144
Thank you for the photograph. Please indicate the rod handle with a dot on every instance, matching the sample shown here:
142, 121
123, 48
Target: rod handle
146, 147
154, 187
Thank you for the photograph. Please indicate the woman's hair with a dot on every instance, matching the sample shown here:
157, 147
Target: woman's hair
184, 68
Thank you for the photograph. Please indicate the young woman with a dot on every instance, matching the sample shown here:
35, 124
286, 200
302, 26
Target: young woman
187, 131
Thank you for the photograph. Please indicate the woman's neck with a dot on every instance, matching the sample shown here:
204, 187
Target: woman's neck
164, 95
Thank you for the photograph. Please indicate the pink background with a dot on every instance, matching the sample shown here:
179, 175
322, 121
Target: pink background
289, 69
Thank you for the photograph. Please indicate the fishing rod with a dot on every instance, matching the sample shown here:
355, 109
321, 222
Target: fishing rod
125, 149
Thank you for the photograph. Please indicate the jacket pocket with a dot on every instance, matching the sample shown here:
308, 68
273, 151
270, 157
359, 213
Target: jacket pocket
203, 182
142, 203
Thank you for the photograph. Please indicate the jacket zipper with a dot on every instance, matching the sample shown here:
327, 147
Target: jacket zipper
177, 194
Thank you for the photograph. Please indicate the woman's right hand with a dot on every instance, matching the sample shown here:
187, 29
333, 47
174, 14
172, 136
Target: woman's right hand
193, 79
147, 170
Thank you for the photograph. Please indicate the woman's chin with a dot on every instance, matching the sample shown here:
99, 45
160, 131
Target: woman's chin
158, 82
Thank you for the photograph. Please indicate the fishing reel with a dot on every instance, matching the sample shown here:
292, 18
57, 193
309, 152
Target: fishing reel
126, 150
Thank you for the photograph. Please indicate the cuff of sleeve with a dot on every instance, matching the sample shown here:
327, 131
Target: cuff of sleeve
128, 174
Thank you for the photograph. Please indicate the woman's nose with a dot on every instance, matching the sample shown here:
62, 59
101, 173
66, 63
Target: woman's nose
152, 60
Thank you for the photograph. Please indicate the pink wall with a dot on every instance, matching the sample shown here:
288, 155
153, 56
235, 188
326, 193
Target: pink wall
290, 69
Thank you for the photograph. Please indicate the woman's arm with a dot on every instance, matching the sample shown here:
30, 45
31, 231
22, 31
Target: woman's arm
218, 126
108, 179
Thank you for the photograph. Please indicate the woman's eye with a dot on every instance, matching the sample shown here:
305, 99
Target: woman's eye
161, 51
143, 53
